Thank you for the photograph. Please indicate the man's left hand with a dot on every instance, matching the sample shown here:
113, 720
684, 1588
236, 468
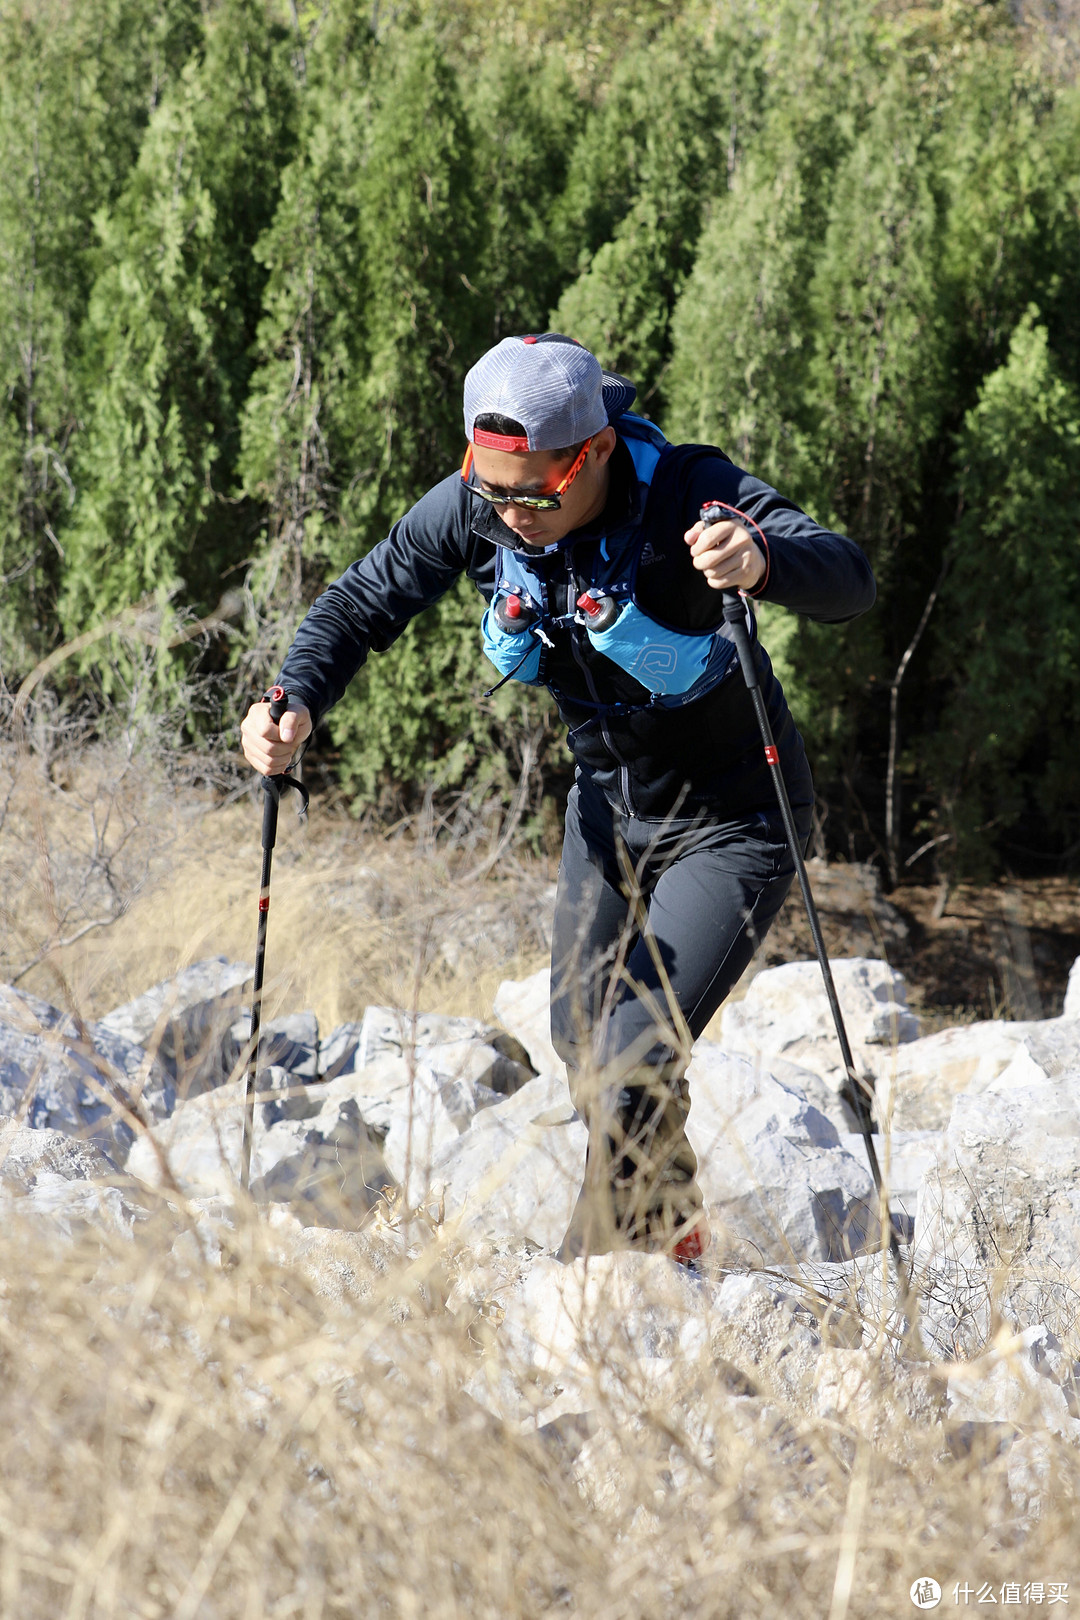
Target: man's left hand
727, 555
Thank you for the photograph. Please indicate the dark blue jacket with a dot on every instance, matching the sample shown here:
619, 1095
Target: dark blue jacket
706, 756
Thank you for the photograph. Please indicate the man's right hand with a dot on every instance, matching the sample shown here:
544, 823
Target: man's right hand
269, 746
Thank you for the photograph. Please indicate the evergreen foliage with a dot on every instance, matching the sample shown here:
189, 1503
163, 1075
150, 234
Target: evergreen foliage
171, 318
1005, 745
662, 144
249, 248
77, 86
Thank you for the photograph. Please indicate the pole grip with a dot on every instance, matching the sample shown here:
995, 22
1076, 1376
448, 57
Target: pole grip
271, 800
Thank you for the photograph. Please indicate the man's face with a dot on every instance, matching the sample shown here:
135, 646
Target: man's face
538, 472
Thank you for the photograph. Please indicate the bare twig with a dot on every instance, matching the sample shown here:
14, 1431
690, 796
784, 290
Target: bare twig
892, 817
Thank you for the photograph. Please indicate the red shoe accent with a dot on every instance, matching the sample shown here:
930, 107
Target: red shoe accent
692, 1245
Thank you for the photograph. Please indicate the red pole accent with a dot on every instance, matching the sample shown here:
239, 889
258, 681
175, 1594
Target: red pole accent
772, 754
264, 902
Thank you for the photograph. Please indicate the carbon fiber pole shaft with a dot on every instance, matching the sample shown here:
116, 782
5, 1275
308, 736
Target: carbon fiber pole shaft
271, 799
859, 1094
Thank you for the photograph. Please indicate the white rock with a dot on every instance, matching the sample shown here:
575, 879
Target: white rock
290, 1043
475, 1062
67, 1184
524, 1008
918, 1083
326, 1160
25, 1153
337, 1053
516, 1172
185, 1019
1012, 1384
73, 1207
421, 1124
761, 1323
723, 1083
777, 1184
999, 1210
1030, 1471
27, 1013
1071, 1009
55, 1080
1048, 1050
880, 1400
394, 1032
905, 1157
786, 1013
463, 1069
586, 1320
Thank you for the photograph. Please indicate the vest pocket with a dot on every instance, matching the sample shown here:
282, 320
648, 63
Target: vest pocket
515, 657
663, 661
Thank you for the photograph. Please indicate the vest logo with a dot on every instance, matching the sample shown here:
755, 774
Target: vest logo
651, 664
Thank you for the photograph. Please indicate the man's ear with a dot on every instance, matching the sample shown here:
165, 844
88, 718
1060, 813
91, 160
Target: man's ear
603, 445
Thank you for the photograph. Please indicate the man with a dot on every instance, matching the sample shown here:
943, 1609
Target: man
580, 526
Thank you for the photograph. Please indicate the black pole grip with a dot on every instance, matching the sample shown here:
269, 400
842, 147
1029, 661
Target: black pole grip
271, 800
279, 702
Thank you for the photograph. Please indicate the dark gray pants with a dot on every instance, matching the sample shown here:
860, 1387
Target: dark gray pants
654, 923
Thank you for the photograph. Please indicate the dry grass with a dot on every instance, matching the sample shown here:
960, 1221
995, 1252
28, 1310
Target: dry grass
289, 1429
226, 1414
359, 915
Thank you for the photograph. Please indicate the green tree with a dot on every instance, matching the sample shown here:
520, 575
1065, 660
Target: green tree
172, 317
297, 441
1004, 745
663, 142
522, 146
747, 331
412, 718
77, 85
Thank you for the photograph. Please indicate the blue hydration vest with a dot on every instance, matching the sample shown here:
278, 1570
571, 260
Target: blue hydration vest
675, 667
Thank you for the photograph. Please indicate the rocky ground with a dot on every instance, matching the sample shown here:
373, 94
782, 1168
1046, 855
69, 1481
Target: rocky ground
373, 1377
453, 1141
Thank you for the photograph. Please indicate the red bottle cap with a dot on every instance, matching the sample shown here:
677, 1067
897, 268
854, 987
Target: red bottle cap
588, 604
512, 607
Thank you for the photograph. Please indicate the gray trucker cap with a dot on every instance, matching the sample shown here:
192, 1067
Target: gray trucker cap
549, 383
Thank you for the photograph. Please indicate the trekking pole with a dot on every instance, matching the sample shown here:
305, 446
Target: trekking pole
273, 787
856, 1092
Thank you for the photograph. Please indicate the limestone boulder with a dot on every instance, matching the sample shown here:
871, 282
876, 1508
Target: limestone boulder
1071, 1009
185, 1022
999, 1209
786, 1014
310, 1149
778, 1184
572, 1331
524, 1008
1018, 1381
517, 1170
920, 1081
463, 1051
82, 1082
905, 1157
68, 1186
290, 1043
1047, 1050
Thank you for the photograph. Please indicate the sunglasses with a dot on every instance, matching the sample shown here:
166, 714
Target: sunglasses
529, 503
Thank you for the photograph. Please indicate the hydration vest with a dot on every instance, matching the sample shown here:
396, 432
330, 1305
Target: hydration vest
518, 628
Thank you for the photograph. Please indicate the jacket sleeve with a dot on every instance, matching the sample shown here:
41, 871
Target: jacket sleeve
810, 570
371, 604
